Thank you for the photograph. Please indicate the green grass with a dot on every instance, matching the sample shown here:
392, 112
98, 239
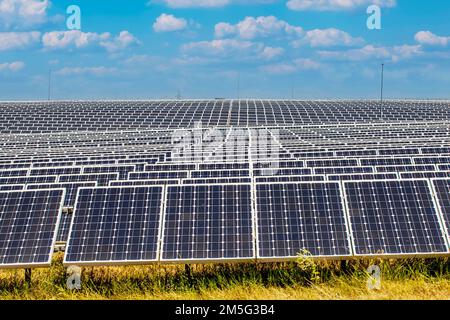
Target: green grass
304, 279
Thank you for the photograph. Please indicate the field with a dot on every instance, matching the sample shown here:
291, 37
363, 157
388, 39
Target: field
304, 279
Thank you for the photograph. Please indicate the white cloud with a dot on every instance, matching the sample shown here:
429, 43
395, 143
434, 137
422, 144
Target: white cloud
19, 14
251, 28
269, 53
429, 38
72, 39
327, 38
335, 5
207, 3
124, 40
368, 52
279, 68
218, 47
295, 66
196, 3
232, 48
12, 66
18, 40
95, 71
78, 39
307, 64
168, 23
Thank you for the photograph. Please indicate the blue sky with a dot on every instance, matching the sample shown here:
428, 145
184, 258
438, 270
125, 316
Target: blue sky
144, 49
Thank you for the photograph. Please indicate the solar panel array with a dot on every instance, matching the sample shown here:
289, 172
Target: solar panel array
227, 180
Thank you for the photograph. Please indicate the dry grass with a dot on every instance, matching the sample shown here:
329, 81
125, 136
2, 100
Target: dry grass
401, 279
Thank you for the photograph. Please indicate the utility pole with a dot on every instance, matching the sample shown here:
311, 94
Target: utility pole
382, 81
382, 85
239, 86
49, 83
292, 87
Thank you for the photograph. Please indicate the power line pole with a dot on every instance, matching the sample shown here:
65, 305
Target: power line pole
382, 85
49, 83
382, 81
292, 87
239, 86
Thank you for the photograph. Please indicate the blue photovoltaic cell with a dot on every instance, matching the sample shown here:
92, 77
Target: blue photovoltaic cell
157, 175
393, 217
217, 180
343, 170
28, 180
71, 189
442, 188
427, 174
208, 222
28, 222
141, 182
363, 176
102, 179
268, 179
293, 217
63, 228
219, 174
11, 187
114, 225
282, 171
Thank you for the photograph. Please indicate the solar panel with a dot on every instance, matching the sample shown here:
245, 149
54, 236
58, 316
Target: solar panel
290, 178
442, 192
70, 187
342, 170
405, 168
220, 173
118, 183
333, 163
393, 217
102, 179
157, 175
208, 222
55, 171
28, 180
11, 187
217, 180
386, 161
292, 217
28, 224
64, 227
115, 225
123, 170
282, 172
13, 173
223, 166
425, 174
362, 176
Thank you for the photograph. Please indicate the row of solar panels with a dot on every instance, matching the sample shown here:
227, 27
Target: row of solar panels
260, 175
439, 156
77, 116
318, 164
345, 150
231, 222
